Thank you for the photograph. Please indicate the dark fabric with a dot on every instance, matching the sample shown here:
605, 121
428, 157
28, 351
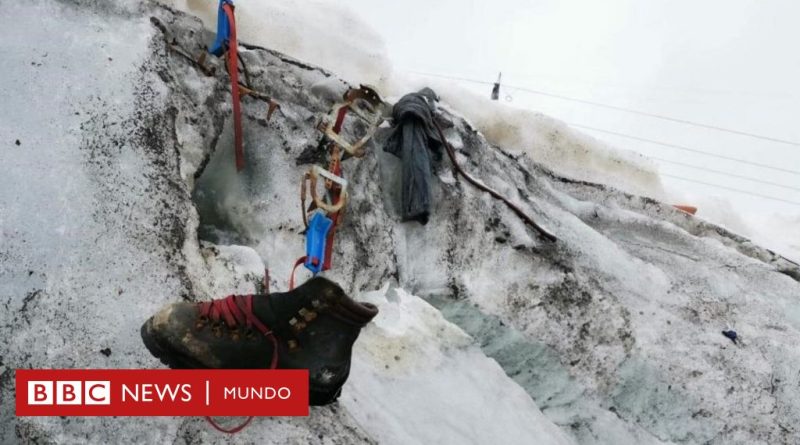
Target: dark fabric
496, 91
415, 142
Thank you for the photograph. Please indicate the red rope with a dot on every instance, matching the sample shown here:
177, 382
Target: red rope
233, 70
233, 430
297, 263
236, 310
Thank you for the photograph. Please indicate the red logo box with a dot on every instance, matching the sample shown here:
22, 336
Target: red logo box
161, 392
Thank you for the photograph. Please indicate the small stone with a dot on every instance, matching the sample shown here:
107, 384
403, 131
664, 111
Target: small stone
18, 142
106, 352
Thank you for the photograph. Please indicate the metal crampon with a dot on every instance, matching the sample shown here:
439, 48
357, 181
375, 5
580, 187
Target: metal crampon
366, 104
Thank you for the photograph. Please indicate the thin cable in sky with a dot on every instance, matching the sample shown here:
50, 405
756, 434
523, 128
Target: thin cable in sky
681, 147
452, 77
614, 107
731, 189
720, 172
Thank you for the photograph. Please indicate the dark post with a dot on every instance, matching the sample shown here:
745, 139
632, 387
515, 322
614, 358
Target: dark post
496, 88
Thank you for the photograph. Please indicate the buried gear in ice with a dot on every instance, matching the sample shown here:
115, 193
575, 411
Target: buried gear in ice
412, 140
731, 335
311, 327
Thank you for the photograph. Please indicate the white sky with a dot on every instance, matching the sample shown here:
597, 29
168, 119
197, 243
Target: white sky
731, 63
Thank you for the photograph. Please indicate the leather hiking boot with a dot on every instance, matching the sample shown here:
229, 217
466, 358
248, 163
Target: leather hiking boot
311, 327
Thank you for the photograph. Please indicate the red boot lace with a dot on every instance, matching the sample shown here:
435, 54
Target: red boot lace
237, 310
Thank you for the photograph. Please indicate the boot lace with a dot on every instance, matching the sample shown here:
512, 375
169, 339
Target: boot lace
237, 310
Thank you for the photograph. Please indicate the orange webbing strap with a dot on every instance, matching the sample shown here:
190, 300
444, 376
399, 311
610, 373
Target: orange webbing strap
688, 209
233, 70
297, 263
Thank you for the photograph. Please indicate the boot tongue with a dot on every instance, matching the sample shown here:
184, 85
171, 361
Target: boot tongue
276, 309
317, 294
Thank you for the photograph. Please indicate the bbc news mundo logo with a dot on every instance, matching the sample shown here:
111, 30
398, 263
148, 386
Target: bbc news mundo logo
128, 392
74, 392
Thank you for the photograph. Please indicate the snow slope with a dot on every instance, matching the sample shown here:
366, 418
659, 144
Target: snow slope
411, 363
612, 335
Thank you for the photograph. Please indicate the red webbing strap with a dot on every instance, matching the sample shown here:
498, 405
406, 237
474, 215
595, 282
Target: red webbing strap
233, 430
337, 127
233, 70
247, 314
335, 192
297, 263
326, 265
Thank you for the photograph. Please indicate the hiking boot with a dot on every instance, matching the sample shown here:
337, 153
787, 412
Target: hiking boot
311, 327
